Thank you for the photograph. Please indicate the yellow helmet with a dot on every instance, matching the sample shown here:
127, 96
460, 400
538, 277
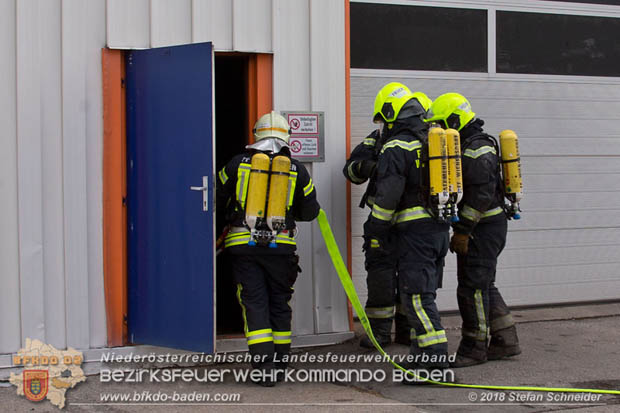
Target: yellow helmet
389, 101
271, 125
424, 100
453, 109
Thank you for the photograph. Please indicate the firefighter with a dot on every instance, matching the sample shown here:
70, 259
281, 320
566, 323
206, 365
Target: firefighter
261, 240
383, 303
399, 224
479, 237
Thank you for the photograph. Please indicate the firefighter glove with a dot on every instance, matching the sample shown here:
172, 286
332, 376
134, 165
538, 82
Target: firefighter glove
459, 243
366, 168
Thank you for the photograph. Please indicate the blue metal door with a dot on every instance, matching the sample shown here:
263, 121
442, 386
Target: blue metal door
170, 209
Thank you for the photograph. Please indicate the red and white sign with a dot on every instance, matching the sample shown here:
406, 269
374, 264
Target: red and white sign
304, 124
304, 147
307, 138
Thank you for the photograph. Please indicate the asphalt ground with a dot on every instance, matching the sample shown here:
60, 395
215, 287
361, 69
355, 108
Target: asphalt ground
574, 347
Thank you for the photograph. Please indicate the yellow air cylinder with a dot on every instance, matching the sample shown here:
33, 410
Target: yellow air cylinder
454, 165
438, 166
511, 169
278, 189
257, 190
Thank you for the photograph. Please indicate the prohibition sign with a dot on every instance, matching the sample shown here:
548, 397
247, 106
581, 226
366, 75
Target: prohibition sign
295, 124
295, 146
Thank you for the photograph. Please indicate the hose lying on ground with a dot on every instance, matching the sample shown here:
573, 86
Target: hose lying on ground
349, 288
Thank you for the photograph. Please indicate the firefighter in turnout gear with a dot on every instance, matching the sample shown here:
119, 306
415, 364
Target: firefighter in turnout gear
400, 226
383, 303
262, 192
479, 237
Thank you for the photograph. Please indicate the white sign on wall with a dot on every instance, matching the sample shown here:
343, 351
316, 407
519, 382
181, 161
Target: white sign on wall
307, 135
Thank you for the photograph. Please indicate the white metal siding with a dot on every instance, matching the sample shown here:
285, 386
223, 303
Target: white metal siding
565, 246
51, 271
10, 328
51, 119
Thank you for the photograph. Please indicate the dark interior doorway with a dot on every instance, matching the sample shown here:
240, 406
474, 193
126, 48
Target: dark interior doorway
231, 120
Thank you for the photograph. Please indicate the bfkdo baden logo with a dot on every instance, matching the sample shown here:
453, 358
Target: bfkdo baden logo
35, 384
48, 372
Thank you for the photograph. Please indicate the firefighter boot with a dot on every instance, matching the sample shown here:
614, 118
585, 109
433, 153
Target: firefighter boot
381, 329
402, 334
470, 353
504, 343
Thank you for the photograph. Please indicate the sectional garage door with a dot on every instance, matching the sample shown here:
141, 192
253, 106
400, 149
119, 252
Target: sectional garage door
565, 248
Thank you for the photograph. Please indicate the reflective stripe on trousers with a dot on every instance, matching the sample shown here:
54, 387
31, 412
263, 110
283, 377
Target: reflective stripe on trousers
380, 312
432, 336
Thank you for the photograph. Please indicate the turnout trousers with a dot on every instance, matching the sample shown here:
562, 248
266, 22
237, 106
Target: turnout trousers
383, 302
422, 249
481, 305
264, 289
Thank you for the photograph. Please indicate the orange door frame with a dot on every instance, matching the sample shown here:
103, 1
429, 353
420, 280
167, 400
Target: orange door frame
114, 193
260, 101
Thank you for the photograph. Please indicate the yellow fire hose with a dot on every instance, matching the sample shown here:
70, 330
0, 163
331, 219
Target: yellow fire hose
349, 288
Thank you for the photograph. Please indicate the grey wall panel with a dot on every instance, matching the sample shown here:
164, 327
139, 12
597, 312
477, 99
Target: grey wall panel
9, 255
75, 101
212, 21
291, 91
252, 21
328, 95
128, 24
291, 60
49, 68
171, 22
570, 149
29, 157
95, 37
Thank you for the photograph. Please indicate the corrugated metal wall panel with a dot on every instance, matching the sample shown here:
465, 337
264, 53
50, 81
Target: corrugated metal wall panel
54, 135
291, 91
328, 94
252, 25
128, 24
95, 36
171, 22
49, 67
570, 148
291, 60
10, 329
74, 102
212, 21
29, 161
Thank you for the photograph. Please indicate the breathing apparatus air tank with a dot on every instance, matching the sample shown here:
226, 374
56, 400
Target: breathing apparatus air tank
511, 169
278, 189
257, 194
438, 170
456, 174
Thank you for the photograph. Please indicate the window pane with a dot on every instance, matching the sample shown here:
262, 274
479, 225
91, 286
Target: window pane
612, 2
557, 44
385, 36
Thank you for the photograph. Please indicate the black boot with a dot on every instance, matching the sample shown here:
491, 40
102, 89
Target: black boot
402, 333
382, 330
470, 353
504, 343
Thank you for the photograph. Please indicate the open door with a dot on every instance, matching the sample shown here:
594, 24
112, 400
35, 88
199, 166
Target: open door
170, 192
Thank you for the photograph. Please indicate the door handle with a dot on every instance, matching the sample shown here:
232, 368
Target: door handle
205, 192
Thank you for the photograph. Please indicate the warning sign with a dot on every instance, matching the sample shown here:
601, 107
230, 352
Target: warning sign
304, 124
304, 147
307, 135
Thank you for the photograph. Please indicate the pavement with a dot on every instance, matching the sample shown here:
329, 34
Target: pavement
566, 347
